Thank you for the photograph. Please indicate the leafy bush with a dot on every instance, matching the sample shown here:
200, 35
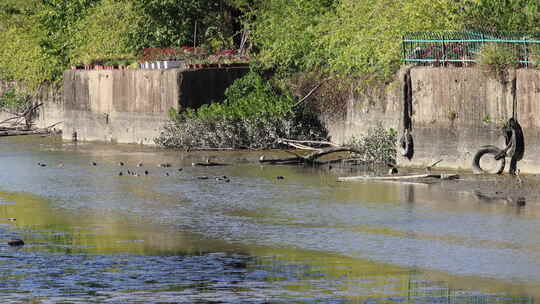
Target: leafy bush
253, 116
496, 59
378, 146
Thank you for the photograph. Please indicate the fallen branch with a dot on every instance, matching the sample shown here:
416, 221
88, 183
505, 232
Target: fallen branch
311, 158
54, 125
308, 94
313, 142
398, 177
208, 164
282, 161
26, 132
302, 144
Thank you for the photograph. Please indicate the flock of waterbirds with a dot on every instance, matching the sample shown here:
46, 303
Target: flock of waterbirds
146, 172
137, 172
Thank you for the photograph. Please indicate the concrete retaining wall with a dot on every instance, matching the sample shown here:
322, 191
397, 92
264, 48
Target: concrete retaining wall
454, 112
131, 106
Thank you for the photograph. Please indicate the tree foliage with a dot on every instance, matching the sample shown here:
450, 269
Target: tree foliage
344, 37
507, 15
104, 32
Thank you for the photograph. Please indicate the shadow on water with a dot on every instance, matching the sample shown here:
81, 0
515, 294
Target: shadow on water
94, 236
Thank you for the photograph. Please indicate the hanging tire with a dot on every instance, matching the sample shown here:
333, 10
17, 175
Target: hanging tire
488, 150
406, 145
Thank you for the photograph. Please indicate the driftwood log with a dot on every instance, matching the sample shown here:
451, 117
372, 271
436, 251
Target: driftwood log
21, 122
399, 177
14, 131
321, 149
208, 164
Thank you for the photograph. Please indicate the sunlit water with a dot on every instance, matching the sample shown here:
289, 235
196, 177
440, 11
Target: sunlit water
170, 237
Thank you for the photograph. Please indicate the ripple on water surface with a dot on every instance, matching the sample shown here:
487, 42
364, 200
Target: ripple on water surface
95, 236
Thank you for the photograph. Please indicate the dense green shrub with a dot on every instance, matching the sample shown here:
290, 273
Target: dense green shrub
377, 146
253, 116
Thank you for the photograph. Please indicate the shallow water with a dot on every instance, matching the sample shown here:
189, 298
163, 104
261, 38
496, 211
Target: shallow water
169, 237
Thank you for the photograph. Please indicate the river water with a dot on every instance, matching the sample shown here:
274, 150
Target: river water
93, 236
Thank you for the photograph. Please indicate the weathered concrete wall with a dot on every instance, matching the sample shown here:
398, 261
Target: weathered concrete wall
454, 112
380, 106
131, 106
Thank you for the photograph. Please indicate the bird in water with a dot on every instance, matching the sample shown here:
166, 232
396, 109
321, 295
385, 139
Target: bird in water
120, 173
42, 164
223, 178
393, 170
121, 163
93, 163
145, 172
140, 164
61, 165
16, 242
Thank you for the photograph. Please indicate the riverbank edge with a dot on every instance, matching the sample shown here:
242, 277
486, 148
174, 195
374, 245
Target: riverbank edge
452, 111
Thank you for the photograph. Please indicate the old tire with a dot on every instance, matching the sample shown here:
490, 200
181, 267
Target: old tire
406, 145
488, 150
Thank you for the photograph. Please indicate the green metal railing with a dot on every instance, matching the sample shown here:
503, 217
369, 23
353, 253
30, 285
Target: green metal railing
461, 48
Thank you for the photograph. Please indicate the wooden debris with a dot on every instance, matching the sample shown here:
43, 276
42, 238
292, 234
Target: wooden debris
208, 164
18, 131
309, 159
441, 176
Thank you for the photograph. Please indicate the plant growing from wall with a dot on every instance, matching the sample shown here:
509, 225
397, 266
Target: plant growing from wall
495, 60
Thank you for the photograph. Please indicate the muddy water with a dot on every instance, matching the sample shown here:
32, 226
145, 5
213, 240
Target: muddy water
170, 237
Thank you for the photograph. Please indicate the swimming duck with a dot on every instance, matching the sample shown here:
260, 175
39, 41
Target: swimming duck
16, 242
